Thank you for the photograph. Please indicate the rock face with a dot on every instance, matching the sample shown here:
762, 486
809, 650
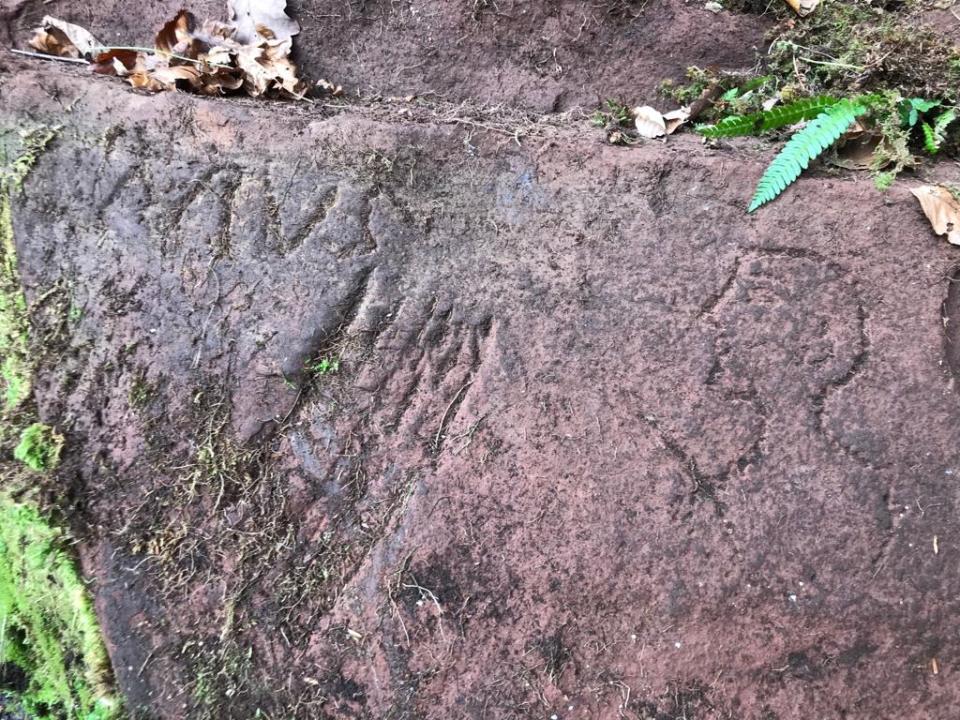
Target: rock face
375, 417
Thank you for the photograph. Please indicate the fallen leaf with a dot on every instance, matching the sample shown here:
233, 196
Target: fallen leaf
336, 90
267, 66
713, 7
115, 62
164, 77
941, 209
856, 150
63, 39
674, 119
177, 35
649, 122
803, 7
212, 58
252, 17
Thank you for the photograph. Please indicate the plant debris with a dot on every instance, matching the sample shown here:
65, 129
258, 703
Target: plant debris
803, 7
250, 54
942, 210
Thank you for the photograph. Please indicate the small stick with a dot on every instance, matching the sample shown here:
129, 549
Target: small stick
44, 56
443, 420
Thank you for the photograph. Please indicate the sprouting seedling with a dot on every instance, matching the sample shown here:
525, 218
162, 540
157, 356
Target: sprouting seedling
324, 366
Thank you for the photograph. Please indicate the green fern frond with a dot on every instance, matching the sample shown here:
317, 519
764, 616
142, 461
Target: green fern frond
941, 123
931, 143
766, 120
822, 132
933, 135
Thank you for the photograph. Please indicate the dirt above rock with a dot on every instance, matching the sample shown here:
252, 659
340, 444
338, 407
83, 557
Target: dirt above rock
546, 56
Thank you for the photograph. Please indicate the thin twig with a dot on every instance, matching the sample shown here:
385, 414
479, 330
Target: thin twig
55, 58
443, 420
845, 66
100, 49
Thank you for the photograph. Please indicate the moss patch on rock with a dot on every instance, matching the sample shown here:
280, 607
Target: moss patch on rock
51, 652
53, 664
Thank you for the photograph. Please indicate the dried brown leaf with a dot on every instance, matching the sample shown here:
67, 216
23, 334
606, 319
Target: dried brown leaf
213, 58
267, 67
675, 119
164, 77
63, 39
178, 34
803, 7
53, 42
115, 62
266, 19
941, 209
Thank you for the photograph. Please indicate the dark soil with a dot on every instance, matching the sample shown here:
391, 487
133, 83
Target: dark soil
541, 55
599, 444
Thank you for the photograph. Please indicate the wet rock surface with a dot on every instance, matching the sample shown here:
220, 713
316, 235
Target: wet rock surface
589, 440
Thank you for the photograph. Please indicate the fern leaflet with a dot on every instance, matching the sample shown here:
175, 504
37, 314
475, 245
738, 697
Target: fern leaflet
805, 145
760, 122
941, 123
931, 143
933, 135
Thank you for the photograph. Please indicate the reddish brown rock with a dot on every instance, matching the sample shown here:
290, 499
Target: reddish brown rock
599, 443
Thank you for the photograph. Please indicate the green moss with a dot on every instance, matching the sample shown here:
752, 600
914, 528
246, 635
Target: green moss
14, 335
140, 392
48, 631
846, 48
15, 361
39, 447
685, 93
843, 49
53, 665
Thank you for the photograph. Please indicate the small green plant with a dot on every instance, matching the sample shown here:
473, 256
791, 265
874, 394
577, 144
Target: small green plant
884, 180
39, 447
805, 145
140, 392
697, 80
617, 115
892, 116
767, 120
324, 366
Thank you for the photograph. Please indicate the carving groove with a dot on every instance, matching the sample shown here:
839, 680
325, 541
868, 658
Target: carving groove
317, 217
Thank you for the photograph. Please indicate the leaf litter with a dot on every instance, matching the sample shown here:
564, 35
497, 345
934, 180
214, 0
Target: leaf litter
942, 210
249, 54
